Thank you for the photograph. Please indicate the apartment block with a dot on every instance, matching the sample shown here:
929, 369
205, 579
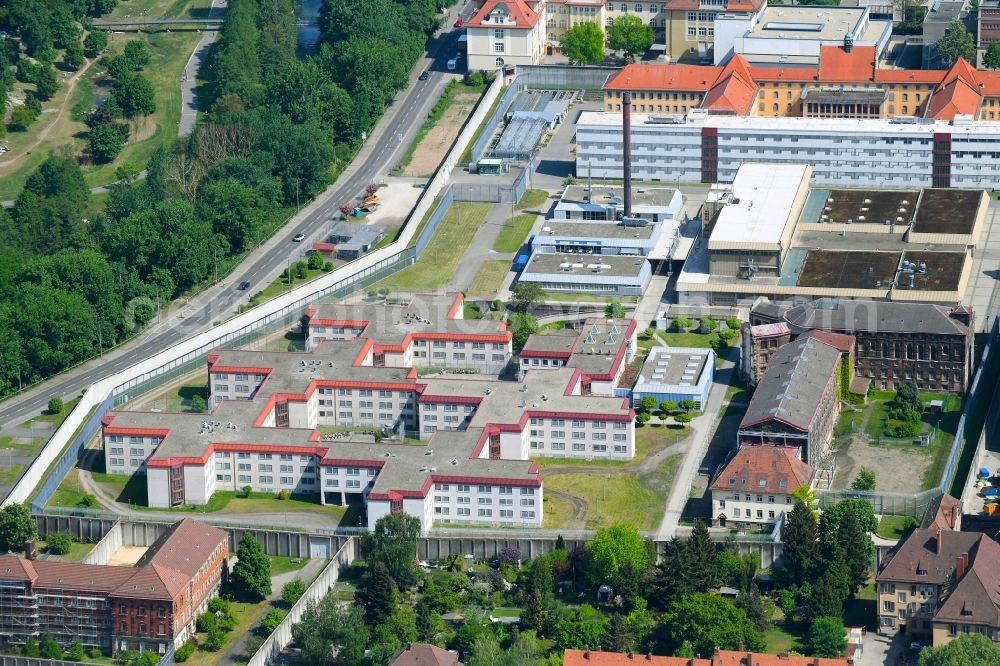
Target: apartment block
941, 584
148, 607
331, 423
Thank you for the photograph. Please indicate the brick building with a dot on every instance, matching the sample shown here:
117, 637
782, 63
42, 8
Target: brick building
930, 346
147, 607
796, 403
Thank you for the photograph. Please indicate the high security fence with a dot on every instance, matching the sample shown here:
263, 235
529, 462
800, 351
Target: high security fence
65, 446
489, 127
902, 504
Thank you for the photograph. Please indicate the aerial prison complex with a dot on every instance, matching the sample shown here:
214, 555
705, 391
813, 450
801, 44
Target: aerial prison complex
359, 383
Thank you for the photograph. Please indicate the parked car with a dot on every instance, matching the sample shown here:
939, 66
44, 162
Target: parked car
458, 22
298, 238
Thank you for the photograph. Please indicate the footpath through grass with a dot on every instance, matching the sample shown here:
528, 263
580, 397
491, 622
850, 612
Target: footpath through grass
441, 256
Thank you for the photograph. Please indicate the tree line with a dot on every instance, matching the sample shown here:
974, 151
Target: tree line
278, 130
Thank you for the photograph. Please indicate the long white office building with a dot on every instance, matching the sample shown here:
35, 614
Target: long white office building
698, 147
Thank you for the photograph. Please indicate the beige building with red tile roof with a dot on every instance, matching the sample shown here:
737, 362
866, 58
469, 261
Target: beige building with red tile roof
846, 84
754, 489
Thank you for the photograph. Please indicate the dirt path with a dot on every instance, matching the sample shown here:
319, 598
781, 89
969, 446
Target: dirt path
578, 506
44, 134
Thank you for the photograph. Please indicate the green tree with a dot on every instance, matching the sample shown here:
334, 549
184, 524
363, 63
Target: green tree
648, 403
134, 95
856, 545
270, 621
16, 527
137, 54
21, 117
583, 44
685, 651
315, 261
708, 622
31, 648
526, 295
75, 651
73, 56
667, 406
95, 42
629, 34
992, 57
614, 309
704, 571
292, 592
682, 418
521, 325
611, 548
865, 480
682, 324
127, 173
50, 648
106, 141
831, 588
55, 405
251, 577
377, 595
801, 541
393, 543
966, 650
59, 543
752, 604
642, 418
331, 627
428, 621
45, 80
198, 404
956, 43
687, 404
617, 635
827, 637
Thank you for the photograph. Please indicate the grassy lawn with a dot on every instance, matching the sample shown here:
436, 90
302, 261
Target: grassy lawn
515, 231
77, 551
249, 615
618, 498
556, 511
441, 256
55, 419
688, 339
180, 400
780, 638
280, 286
649, 439
281, 564
489, 278
892, 527
533, 198
7, 442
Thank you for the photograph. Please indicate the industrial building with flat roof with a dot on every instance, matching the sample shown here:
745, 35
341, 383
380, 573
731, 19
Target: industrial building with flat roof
606, 203
601, 274
362, 388
675, 374
794, 35
769, 235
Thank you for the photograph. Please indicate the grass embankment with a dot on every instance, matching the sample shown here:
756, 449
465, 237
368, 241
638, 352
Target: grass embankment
515, 231
533, 199
488, 280
444, 251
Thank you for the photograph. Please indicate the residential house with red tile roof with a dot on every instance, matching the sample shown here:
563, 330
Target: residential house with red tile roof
754, 488
148, 607
940, 584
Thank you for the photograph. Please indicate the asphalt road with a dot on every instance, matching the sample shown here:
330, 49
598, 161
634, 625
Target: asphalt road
393, 133
189, 79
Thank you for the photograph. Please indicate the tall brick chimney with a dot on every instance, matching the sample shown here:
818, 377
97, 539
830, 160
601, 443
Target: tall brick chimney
627, 151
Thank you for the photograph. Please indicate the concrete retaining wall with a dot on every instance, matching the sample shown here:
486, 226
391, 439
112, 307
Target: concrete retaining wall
12, 660
106, 547
282, 635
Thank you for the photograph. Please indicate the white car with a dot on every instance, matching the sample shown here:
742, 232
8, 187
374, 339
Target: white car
298, 238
